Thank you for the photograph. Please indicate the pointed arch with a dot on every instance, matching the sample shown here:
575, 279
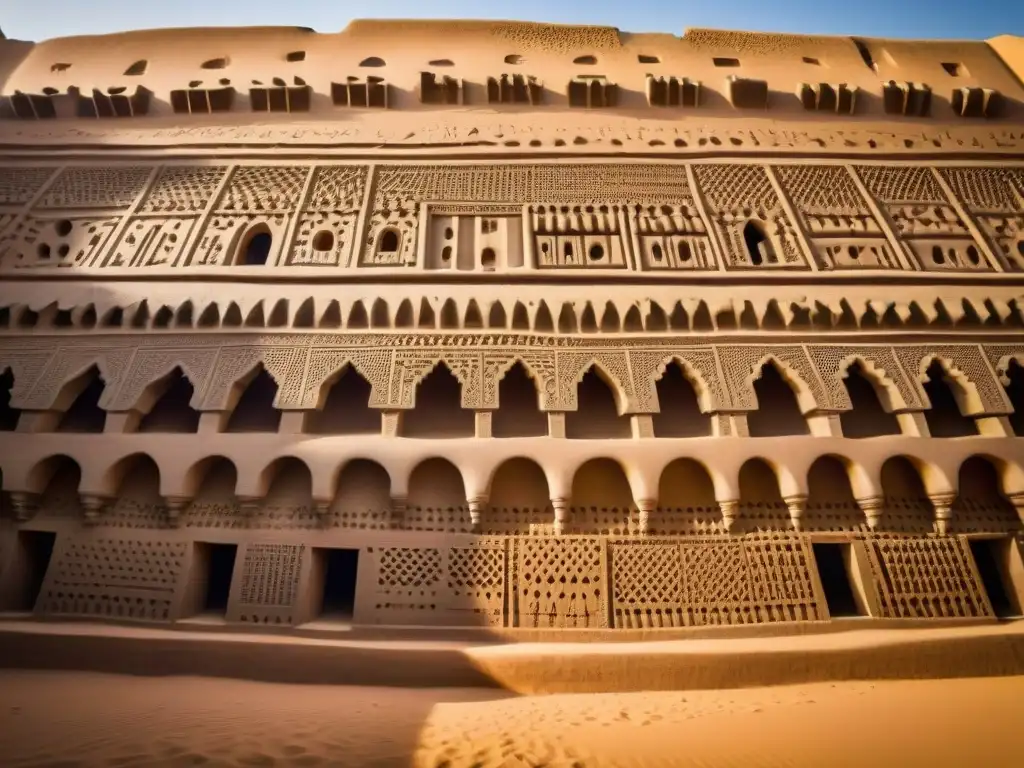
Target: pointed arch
656, 319
632, 322
163, 317
305, 315
357, 317
567, 319
427, 317
543, 322
449, 315
379, 316
679, 320
404, 317
599, 405
165, 405
255, 318
253, 396
496, 316
78, 403
610, 319
588, 320
777, 395
183, 317
869, 414
949, 395
210, 317
332, 315
232, 316
343, 406
520, 318
473, 317
438, 411
519, 413
683, 401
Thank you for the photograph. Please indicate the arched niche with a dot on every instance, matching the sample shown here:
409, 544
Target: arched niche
778, 410
346, 408
831, 505
137, 499
686, 501
363, 496
255, 246
213, 502
980, 504
519, 499
437, 498
602, 501
596, 416
867, 417
166, 405
518, 413
438, 411
78, 404
254, 409
289, 496
57, 479
907, 507
944, 417
759, 245
8, 414
761, 506
679, 408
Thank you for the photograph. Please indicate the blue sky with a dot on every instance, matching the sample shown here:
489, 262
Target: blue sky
971, 19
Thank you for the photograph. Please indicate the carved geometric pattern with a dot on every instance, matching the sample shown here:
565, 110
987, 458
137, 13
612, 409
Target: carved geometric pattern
410, 368
822, 189
405, 567
539, 365
284, 364
338, 188
573, 366
739, 365
560, 583
925, 578
183, 189
96, 187
716, 583
966, 358
70, 362
270, 579
781, 577
374, 365
647, 367
120, 578
901, 184
828, 359
648, 584
985, 189
19, 185
263, 189
26, 367
999, 356
476, 585
149, 365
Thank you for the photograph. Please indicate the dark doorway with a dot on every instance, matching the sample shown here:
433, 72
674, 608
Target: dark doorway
36, 549
220, 564
831, 560
257, 250
988, 553
339, 596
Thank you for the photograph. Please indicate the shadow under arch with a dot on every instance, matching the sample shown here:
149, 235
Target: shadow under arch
831, 498
981, 504
437, 498
56, 480
602, 499
519, 499
686, 501
362, 496
907, 508
761, 506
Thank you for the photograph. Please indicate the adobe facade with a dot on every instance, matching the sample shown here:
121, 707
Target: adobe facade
510, 325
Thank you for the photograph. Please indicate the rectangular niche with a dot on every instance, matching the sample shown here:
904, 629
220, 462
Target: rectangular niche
213, 567
474, 242
842, 580
334, 581
32, 556
999, 564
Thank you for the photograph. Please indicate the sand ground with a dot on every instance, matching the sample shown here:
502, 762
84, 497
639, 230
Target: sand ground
95, 719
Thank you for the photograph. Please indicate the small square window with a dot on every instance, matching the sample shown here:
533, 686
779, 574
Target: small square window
723, 62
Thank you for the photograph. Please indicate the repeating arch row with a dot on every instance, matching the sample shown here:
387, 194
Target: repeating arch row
624, 316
